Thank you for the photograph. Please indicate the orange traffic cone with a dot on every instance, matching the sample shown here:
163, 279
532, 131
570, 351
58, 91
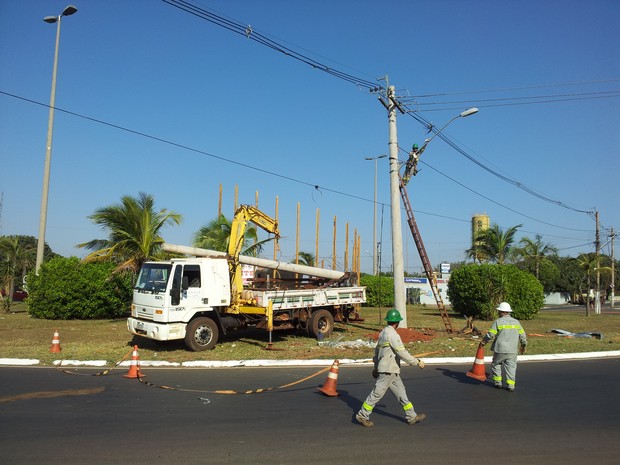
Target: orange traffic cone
477, 371
134, 367
329, 388
55, 343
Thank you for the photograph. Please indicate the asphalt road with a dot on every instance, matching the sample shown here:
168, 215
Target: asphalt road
565, 412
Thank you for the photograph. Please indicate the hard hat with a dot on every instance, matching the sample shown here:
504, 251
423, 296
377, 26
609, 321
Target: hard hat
504, 307
415, 146
393, 316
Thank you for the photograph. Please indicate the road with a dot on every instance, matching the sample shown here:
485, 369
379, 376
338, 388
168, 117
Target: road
565, 412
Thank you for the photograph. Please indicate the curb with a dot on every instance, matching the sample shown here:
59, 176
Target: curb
301, 363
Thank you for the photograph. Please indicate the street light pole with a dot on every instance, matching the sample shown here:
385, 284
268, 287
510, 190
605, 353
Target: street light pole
374, 222
68, 11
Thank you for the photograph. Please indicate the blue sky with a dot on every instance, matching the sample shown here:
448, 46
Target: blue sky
267, 123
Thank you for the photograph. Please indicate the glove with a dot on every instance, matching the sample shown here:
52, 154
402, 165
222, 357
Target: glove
421, 364
375, 373
482, 344
522, 350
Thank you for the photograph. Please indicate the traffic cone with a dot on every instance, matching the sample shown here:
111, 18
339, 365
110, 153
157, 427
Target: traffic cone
477, 371
134, 366
329, 388
55, 343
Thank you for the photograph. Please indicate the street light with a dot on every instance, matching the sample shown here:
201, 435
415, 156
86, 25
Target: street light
397, 239
68, 11
374, 223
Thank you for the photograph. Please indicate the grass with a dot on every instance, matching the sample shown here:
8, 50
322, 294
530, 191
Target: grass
22, 336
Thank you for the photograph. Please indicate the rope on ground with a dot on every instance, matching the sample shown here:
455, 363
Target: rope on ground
233, 392
101, 373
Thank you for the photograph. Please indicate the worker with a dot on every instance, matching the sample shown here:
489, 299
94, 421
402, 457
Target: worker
507, 334
388, 354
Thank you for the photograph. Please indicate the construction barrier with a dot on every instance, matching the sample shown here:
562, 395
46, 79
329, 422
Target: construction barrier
55, 348
329, 388
134, 366
477, 370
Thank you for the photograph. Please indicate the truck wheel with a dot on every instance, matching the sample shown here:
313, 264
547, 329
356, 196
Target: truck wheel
201, 334
321, 322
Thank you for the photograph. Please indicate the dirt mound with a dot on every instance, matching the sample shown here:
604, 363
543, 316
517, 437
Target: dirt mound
410, 335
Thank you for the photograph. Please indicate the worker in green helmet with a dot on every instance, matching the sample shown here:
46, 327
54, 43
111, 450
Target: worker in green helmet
389, 351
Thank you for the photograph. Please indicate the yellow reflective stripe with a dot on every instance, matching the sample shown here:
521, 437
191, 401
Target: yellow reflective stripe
521, 331
510, 382
385, 344
409, 406
510, 327
492, 331
367, 407
497, 378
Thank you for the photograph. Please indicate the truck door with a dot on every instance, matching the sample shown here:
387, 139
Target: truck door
192, 292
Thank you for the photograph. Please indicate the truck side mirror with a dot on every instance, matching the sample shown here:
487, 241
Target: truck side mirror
175, 296
185, 283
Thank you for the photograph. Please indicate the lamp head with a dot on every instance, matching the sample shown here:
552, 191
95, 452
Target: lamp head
69, 10
468, 112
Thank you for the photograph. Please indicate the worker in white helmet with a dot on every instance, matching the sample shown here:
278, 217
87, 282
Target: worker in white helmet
508, 337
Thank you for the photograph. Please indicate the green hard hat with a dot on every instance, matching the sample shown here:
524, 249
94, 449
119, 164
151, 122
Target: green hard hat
415, 146
393, 316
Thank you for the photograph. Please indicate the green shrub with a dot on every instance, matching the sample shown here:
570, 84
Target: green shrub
476, 290
379, 290
67, 288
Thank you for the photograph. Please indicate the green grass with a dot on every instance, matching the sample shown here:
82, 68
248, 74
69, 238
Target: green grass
22, 336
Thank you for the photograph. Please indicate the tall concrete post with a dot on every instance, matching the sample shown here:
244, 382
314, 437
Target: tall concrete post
397, 233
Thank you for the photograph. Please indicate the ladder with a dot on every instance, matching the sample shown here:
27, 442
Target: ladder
428, 269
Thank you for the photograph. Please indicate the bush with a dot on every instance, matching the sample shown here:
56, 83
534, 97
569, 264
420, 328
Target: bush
379, 290
476, 290
66, 288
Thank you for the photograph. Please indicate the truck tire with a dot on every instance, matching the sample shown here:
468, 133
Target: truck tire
321, 322
201, 334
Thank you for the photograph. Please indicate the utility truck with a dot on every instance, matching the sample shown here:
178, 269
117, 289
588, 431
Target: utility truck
209, 293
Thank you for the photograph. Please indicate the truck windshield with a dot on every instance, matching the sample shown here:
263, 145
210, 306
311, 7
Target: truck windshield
153, 277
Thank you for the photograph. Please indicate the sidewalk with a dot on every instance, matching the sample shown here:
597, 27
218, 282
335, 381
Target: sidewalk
299, 363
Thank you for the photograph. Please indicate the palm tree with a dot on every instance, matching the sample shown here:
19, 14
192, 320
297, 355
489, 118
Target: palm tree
306, 258
536, 251
215, 235
493, 244
587, 263
134, 228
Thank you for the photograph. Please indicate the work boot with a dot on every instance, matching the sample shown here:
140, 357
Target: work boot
364, 421
417, 419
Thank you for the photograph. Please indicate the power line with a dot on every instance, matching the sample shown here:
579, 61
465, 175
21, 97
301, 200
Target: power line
507, 179
250, 33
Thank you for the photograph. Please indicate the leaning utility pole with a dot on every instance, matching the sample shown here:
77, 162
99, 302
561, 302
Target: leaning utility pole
597, 294
613, 267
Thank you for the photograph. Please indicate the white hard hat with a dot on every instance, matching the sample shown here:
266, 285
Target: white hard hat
504, 307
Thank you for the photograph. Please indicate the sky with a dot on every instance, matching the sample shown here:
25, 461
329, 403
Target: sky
151, 98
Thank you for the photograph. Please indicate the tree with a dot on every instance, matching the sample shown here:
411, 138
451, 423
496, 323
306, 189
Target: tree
306, 258
493, 244
476, 290
535, 251
587, 264
68, 288
17, 257
215, 235
134, 227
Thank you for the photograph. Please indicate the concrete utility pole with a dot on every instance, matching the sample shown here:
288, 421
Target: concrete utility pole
597, 294
397, 233
613, 267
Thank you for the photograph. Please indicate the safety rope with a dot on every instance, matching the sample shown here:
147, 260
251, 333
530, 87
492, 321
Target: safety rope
101, 373
233, 392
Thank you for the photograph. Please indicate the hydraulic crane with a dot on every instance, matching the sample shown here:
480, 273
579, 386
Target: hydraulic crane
428, 269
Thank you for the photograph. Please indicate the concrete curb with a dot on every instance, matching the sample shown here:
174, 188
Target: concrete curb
300, 363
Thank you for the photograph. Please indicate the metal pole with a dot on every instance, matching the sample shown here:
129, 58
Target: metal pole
69, 10
613, 268
397, 233
48, 157
374, 222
